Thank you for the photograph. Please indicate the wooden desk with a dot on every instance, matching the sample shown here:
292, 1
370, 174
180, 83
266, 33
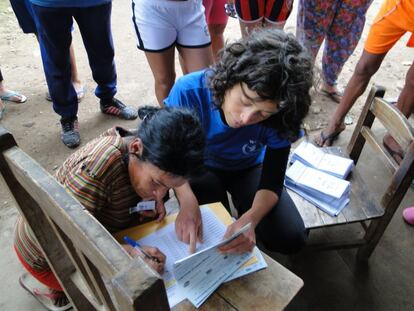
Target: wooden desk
269, 289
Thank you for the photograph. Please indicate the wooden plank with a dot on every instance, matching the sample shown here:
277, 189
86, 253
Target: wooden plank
134, 294
366, 118
269, 289
379, 148
214, 302
394, 121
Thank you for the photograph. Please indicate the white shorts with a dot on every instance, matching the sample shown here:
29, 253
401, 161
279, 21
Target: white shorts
161, 24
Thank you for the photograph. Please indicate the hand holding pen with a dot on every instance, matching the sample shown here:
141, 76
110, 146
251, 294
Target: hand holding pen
152, 255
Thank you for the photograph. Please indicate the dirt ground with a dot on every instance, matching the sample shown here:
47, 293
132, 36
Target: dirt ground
36, 127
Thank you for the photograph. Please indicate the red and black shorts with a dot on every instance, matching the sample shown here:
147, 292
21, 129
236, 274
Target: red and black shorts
274, 11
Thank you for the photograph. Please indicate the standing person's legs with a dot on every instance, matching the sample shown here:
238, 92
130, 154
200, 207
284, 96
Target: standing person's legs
163, 69
250, 14
282, 229
276, 13
341, 40
77, 84
95, 27
367, 66
195, 58
216, 20
54, 34
313, 20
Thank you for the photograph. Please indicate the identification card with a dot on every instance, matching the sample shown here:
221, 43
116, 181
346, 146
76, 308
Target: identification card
143, 206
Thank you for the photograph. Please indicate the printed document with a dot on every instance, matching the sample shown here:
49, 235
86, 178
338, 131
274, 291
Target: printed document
164, 237
317, 158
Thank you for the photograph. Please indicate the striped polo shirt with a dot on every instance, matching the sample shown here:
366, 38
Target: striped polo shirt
97, 176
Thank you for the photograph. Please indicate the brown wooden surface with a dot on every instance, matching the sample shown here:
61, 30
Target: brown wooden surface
269, 289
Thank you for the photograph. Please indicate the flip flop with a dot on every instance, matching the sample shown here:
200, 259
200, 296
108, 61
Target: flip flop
80, 94
11, 97
398, 156
336, 96
45, 296
328, 140
408, 215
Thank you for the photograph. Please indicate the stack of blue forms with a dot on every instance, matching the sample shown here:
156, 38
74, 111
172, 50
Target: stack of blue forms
318, 177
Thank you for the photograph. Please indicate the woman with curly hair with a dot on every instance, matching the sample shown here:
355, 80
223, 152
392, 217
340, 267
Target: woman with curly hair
251, 105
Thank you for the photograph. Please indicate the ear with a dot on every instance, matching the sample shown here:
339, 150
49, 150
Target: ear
136, 146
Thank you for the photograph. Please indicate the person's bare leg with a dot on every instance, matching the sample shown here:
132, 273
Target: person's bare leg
247, 28
367, 66
163, 69
196, 58
77, 84
217, 38
406, 105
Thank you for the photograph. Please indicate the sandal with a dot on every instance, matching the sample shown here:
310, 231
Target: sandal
408, 215
51, 299
335, 96
14, 97
327, 140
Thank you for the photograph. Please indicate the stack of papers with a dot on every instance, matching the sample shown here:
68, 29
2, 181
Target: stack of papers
315, 157
329, 193
197, 276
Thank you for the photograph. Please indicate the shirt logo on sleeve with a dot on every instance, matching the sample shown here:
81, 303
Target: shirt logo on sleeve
251, 148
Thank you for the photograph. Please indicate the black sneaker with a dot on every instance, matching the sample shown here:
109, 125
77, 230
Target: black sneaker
116, 108
70, 132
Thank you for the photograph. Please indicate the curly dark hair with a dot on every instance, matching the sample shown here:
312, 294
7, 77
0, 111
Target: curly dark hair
275, 66
173, 140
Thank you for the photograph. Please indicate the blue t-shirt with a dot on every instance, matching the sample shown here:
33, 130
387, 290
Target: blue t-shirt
227, 148
69, 3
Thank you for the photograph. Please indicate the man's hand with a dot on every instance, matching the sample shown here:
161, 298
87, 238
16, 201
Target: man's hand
152, 251
188, 225
244, 242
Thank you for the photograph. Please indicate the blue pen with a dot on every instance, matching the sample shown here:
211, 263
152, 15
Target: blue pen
135, 244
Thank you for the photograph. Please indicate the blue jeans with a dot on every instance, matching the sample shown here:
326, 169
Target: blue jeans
54, 34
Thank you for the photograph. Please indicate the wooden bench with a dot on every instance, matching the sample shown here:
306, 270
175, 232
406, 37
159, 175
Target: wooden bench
363, 206
92, 267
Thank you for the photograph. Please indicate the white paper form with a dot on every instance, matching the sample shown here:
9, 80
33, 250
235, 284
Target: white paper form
165, 239
316, 180
319, 159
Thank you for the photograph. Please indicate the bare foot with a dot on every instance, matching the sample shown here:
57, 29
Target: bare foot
393, 148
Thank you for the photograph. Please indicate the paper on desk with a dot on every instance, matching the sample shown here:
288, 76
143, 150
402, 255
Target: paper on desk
199, 274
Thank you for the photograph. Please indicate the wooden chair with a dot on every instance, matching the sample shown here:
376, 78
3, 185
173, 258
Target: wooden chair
92, 267
374, 215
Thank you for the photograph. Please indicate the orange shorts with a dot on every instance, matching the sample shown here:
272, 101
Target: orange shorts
395, 18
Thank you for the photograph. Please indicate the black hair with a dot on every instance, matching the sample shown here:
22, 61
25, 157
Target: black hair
173, 140
275, 66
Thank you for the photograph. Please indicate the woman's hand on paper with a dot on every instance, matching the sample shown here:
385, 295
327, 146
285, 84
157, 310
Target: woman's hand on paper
244, 242
152, 251
188, 224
